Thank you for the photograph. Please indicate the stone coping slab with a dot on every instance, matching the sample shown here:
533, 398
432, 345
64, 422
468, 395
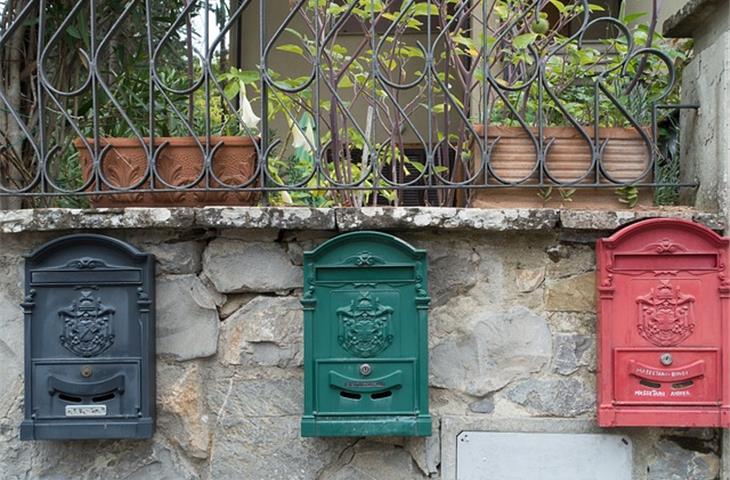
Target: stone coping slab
339, 219
692, 16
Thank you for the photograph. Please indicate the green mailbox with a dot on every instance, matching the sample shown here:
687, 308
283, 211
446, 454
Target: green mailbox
365, 338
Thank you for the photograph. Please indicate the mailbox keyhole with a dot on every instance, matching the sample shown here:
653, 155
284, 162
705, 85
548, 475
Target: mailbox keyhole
379, 395
350, 395
69, 398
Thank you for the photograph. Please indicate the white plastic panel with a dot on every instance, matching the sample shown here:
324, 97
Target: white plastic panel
544, 456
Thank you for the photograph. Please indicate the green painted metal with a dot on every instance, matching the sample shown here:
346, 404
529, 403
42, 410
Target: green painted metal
365, 338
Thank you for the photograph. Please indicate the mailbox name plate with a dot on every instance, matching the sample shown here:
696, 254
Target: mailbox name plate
85, 410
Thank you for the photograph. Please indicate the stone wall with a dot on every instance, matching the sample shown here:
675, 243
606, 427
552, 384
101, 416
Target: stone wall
705, 148
512, 343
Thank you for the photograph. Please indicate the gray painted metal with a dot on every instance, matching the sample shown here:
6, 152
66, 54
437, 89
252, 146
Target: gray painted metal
544, 456
89, 340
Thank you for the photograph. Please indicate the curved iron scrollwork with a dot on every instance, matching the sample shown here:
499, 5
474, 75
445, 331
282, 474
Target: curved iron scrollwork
334, 97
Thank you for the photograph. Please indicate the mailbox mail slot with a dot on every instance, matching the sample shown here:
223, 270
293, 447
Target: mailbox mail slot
663, 310
365, 338
89, 340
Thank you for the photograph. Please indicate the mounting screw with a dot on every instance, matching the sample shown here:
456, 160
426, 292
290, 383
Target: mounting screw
666, 359
366, 369
86, 371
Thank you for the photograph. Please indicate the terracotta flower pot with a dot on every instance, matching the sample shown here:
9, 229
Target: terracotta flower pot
625, 158
179, 163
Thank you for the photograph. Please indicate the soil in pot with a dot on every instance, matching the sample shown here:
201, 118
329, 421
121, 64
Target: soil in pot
625, 158
179, 163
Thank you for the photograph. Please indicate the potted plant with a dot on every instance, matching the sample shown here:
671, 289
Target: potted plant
547, 92
175, 158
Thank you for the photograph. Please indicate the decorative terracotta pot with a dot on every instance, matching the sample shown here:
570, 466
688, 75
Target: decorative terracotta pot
179, 163
625, 158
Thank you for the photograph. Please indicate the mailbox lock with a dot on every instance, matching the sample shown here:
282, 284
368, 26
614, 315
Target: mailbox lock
666, 359
86, 371
365, 369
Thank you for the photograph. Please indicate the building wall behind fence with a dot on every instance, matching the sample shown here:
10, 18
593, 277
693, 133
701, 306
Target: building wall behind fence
512, 344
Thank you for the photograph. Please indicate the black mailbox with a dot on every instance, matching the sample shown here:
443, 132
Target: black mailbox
89, 340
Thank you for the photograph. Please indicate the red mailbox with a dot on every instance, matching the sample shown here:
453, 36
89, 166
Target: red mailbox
663, 313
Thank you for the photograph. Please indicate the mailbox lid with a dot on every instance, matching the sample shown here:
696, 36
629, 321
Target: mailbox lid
643, 377
62, 389
343, 388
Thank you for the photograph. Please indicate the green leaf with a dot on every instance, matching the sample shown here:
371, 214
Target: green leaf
295, 49
424, 9
560, 6
523, 41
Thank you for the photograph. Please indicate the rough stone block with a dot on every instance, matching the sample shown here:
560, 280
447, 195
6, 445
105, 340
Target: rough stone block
675, 463
574, 294
554, 397
498, 348
267, 331
235, 266
572, 351
187, 319
183, 416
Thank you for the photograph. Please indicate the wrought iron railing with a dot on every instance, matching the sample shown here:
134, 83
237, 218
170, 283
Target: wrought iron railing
349, 102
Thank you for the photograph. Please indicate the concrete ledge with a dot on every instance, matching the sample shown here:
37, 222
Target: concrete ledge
408, 218
266, 217
342, 219
52, 219
692, 16
613, 219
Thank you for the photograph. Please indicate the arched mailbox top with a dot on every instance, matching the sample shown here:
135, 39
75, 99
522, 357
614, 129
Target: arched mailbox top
366, 248
78, 245
643, 233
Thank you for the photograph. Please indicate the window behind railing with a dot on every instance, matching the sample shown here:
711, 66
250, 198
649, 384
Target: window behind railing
347, 102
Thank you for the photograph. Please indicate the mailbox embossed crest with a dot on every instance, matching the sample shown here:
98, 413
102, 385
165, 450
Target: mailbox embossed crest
665, 315
365, 338
90, 340
663, 305
365, 326
87, 325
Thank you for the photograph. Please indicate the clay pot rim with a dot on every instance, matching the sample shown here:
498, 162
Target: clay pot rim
507, 131
126, 142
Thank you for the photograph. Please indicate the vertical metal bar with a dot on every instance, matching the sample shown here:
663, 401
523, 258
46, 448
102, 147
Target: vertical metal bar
430, 147
596, 147
375, 72
265, 140
40, 95
206, 86
94, 71
485, 113
151, 92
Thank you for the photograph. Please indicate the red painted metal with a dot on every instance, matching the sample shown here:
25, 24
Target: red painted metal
664, 337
